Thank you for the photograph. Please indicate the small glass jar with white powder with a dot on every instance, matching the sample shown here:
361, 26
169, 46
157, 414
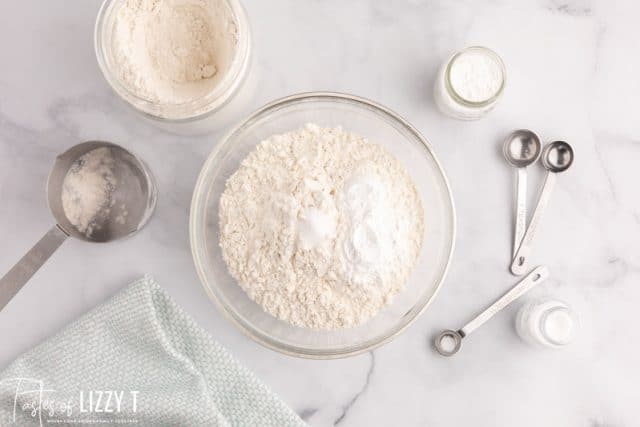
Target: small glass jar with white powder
470, 83
176, 61
546, 323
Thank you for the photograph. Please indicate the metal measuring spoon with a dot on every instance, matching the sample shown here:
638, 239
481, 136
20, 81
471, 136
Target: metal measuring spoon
556, 157
448, 342
521, 149
134, 189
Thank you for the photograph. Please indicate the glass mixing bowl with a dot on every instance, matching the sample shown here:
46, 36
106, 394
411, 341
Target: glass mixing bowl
380, 126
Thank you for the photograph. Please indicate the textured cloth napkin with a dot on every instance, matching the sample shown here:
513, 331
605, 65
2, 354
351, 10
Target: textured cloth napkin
137, 359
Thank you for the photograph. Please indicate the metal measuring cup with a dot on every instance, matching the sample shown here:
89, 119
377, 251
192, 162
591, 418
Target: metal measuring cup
135, 188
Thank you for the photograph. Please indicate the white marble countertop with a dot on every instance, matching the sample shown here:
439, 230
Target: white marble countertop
572, 74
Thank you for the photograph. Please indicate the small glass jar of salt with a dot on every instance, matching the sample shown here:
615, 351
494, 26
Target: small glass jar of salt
470, 83
546, 323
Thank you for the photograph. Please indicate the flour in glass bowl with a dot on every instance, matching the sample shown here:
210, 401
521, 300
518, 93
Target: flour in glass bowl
321, 227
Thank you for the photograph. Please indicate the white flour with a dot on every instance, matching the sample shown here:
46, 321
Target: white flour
321, 227
87, 190
173, 51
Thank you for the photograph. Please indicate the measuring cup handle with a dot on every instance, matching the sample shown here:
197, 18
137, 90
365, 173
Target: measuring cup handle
20, 274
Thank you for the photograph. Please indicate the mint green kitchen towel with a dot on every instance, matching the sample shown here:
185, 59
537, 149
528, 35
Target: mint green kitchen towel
137, 359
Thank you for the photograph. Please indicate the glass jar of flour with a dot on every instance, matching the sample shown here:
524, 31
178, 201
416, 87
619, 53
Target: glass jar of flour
177, 63
470, 83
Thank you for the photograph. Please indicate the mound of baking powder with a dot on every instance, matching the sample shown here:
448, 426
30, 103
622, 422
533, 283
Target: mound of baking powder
321, 227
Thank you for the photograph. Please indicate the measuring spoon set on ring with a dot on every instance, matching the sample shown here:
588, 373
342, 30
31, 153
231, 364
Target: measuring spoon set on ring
521, 149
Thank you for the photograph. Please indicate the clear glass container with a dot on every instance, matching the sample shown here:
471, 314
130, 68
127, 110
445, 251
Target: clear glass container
179, 113
379, 125
546, 323
449, 97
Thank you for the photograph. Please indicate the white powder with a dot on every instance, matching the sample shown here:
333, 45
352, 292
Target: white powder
173, 51
87, 190
558, 326
470, 83
315, 227
448, 343
547, 322
476, 76
368, 244
321, 227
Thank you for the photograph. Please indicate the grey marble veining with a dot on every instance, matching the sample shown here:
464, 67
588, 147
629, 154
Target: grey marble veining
572, 74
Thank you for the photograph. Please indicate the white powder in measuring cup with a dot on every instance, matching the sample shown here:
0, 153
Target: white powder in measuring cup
321, 227
448, 343
173, 51
87, 190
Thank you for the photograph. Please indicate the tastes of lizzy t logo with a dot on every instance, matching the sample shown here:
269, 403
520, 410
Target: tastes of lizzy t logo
31, 397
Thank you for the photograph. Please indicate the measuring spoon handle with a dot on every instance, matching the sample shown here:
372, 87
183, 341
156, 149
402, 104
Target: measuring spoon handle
537, 275
520, 262
20, 274
521, 209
